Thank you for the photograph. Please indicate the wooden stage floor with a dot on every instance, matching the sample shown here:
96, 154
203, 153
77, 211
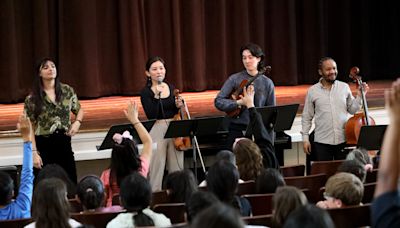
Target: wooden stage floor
101, 113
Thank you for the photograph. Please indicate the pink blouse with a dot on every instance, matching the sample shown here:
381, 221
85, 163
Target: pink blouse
113, 189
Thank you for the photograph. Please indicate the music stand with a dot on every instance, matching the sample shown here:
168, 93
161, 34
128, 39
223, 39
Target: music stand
278, 117
371, 137
108, 142
192, 128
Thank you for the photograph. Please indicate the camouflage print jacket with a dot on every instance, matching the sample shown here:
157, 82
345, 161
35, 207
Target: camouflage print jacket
54, 115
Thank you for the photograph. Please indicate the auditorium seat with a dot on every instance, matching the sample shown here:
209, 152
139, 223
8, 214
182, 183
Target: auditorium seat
293, 170
247, 187
261, 204
96, 219
369, 190
351, 216
260, 220
327, 167
15, 223
174, 211
159, 197
311, 182
371, 176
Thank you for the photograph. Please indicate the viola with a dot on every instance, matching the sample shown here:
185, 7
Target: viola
354, 124
236, 95
182, 143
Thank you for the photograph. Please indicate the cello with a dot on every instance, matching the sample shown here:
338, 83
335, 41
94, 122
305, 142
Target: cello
354, 124
182, 143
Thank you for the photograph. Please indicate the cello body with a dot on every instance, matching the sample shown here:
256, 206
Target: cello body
354, 124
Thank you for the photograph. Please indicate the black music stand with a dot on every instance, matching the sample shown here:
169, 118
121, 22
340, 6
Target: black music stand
192, 128
278, 117
371, 137
108, 142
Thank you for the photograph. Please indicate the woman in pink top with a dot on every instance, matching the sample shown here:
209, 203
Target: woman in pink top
125, 157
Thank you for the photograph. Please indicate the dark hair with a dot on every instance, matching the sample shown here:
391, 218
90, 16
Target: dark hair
149, 62
322, 60
50, 207
355, 167
269, 180
181, 184
136, 196
55, 170
125, 159
309, 216
218, 215
90, 191
37, 94
199, 201
256, 51
226, 155
360, 155
6, 188
222, 180
285, 200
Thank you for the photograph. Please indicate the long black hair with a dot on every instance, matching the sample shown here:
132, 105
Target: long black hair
37, 94
125, 159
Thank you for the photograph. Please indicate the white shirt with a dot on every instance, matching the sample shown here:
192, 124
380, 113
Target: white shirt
330, 108
125, 220
73, 223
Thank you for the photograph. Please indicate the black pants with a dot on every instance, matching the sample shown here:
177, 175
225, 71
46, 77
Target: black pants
56, 149
326, 152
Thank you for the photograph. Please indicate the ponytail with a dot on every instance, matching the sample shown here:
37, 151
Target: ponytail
141, 219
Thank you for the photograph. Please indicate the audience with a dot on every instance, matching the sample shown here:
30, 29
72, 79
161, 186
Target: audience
217, 216
135, 198
309, 216
21, 206
56, 171
180, 185
199, 201
90, 193
222, 180
341, 190
385, 208
225, 155
354, 167
361, 155
50, 207
286, 200
268, 181
125, 157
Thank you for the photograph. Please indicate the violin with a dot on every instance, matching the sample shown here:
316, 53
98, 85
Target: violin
354, 124
236, 95
182, 143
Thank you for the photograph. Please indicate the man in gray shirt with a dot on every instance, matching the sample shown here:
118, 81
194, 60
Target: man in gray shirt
329, 102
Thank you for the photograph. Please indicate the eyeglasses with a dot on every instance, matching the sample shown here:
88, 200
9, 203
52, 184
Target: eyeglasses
328, 197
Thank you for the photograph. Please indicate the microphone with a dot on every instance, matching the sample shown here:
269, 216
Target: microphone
159, 81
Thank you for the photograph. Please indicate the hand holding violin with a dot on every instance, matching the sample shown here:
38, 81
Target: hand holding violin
247, 99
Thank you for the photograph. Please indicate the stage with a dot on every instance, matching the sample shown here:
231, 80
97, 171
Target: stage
104, 112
